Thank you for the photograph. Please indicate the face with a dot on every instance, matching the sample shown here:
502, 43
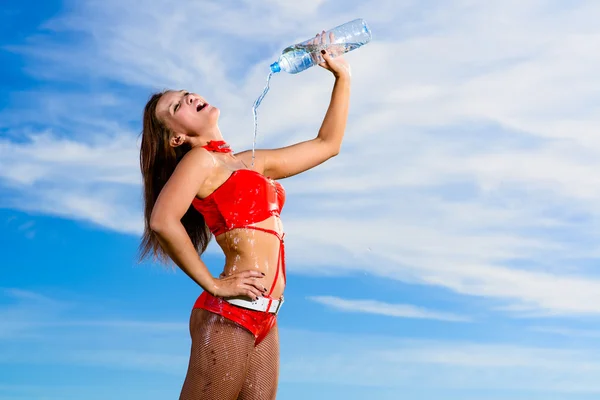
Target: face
187, 115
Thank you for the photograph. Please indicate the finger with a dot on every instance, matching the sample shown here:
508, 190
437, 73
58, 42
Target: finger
258, 285
323, 63
334, 49
252, 292
326, 56
315, 39
251, 274
257, 282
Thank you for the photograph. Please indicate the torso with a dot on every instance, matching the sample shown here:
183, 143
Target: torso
247, 249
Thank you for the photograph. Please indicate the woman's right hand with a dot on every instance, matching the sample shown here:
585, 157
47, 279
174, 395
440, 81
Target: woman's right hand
244, 283
330, 49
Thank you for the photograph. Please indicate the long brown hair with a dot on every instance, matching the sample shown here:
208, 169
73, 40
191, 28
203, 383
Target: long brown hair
158, 160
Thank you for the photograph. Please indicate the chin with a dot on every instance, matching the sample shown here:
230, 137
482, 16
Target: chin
214, 114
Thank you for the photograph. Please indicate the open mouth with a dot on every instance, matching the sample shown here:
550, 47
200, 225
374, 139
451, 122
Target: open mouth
201, 106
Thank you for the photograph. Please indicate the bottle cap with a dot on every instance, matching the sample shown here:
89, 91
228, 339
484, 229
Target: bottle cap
275, 67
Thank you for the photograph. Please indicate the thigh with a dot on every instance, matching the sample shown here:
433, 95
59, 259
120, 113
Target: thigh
263, 369
218, 358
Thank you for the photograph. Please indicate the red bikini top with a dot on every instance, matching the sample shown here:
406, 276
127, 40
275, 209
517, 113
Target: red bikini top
245, 198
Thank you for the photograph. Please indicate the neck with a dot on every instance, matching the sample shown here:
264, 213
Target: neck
202, 140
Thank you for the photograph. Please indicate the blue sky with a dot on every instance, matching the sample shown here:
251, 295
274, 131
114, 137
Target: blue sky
449, 251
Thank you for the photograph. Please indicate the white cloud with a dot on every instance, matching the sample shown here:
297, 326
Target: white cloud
367, 359
97, 181
380, 361
47, 158
567, 332
470, 155
26, 311
390, 310
126, 359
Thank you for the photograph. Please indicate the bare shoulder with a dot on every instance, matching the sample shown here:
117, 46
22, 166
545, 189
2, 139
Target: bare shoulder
259, 159
197, 159
183, 185
194, 168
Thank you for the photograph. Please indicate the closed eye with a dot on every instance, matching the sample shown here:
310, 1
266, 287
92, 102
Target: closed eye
179, 104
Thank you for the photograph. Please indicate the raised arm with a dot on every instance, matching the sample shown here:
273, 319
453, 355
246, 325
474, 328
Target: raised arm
291, 160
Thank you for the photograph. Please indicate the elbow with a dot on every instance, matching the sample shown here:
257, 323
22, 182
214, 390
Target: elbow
158, 224
329, 148
334, 151
155, 226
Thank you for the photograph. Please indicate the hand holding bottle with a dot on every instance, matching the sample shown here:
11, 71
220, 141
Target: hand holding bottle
338, 65
301, 56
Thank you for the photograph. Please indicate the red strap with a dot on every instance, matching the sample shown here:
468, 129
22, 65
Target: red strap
272, 232
280, 255
282, 250
218, 146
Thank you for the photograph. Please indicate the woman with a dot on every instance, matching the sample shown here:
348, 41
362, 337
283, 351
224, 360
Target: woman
194, 186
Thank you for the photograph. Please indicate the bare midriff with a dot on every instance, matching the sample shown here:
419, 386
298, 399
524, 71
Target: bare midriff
250, 249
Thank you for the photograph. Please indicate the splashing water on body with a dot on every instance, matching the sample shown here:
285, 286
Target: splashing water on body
255, 113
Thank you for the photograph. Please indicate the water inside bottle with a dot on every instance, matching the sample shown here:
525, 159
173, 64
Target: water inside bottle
255, 113
334, 49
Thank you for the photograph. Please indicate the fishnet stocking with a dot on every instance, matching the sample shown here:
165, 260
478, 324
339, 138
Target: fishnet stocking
263, 369
218, 358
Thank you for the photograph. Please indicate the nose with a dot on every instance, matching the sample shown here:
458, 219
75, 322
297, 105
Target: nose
190, 98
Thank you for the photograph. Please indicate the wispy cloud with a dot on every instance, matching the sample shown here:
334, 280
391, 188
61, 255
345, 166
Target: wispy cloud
95, 181
470, 156
451, 366
568, 332
368, 360
387, 309
27, 309
37, 329
46, 158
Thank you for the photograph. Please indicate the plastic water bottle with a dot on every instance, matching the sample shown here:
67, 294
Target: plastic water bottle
301, 56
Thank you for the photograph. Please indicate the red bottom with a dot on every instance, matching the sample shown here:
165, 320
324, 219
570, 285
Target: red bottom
259, 323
